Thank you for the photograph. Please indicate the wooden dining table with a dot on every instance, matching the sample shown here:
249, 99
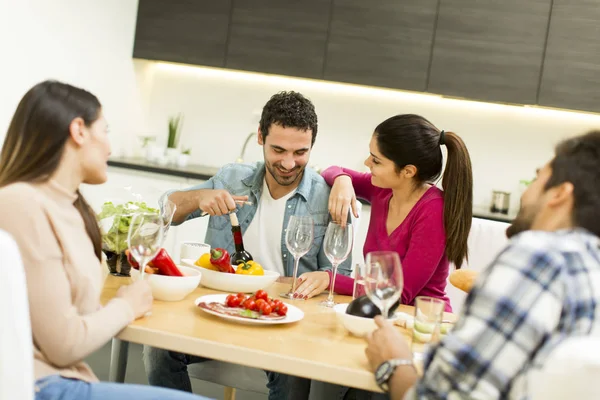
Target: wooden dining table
317, 347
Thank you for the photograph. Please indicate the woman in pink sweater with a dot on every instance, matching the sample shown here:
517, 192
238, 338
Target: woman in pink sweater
428, 227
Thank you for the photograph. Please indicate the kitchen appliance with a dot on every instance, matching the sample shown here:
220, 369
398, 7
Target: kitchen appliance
500, 202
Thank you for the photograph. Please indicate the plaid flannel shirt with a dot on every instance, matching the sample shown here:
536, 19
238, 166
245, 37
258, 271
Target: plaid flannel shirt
542, 288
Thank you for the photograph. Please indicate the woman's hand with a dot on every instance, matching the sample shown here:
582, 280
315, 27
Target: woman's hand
341, 199
139, 297
311, 284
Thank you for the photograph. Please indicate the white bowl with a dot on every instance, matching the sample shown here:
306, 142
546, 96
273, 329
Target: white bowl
172, 288
358, 326
193, 250
233, 282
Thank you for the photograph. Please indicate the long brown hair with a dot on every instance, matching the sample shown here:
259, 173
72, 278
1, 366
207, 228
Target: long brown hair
36, 138
410, 139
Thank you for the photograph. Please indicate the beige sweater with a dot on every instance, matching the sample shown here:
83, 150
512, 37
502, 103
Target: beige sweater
64, 279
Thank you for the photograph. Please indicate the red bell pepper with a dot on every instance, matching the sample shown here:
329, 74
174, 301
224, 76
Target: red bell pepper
165, 264
220, 258
162, 262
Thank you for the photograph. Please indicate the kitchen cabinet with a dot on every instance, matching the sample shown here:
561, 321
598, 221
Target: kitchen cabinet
185, 31
571, 73
384, 43
489, 50
284, 37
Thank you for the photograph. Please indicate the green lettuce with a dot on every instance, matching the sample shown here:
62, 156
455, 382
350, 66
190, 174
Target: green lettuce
114, 223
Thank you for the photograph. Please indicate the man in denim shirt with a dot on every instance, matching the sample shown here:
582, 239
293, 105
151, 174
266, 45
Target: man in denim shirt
277, 188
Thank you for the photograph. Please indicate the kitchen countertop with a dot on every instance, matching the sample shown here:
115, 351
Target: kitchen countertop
203, 172
193, 171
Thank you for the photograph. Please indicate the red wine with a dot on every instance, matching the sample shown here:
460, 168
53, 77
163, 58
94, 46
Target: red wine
240, 255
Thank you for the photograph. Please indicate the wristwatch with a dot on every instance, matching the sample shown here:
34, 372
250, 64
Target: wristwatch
385, 371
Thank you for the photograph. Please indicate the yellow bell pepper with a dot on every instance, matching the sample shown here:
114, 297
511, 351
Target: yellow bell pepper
204, 262
250, 268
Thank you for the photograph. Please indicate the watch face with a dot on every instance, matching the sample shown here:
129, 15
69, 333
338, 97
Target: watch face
383, 370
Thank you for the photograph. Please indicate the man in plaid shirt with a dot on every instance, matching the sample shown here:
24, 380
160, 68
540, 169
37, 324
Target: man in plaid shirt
541, 289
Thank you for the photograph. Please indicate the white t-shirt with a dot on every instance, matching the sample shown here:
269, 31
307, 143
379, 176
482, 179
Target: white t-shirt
262, 239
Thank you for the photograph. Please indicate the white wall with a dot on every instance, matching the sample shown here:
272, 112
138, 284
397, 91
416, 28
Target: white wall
507, 143
87, 43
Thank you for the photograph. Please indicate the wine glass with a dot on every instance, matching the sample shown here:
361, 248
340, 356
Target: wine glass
298, 239
167, 211
145, 238
337, 245
383, 279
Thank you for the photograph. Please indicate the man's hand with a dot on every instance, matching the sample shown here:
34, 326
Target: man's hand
218, 201
311, 284
385, 344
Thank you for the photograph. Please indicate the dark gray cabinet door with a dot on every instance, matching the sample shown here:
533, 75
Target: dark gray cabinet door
186, 31
489, 49
279, 36
381, 43
571, 74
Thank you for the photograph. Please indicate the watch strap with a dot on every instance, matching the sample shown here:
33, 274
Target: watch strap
385, 371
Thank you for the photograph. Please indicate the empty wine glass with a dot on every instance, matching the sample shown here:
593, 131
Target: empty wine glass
298, 239
167, 211
383, 279
145, 238
337, 245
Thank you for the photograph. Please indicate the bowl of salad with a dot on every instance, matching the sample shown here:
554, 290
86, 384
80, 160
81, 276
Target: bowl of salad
114, 221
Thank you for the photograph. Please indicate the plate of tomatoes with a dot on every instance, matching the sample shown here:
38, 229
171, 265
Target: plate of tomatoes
258, 308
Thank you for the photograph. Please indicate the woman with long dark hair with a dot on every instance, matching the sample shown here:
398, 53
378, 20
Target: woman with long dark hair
57, 140
427, 226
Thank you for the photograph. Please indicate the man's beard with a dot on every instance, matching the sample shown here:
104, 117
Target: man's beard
284, 181
522, 222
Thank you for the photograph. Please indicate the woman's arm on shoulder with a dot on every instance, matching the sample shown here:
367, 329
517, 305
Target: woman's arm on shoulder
361, 181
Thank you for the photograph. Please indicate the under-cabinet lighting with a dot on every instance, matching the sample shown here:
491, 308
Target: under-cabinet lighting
354, 89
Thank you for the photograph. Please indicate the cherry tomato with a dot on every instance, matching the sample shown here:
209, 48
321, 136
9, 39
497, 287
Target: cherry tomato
265, 308
258, 303
241, 295
229, 300
250, 304
261, 294
235, 301
282, 309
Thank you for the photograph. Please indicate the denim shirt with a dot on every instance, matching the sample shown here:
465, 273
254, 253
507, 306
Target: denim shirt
311, 198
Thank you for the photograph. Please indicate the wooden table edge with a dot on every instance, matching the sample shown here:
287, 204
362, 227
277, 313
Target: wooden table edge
250, 357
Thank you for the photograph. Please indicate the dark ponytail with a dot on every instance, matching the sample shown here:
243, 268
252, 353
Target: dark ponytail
457, 183
410, 139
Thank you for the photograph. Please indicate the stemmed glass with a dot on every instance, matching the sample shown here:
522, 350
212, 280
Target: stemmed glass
298, 239
145, 238
167, 211
337, 245
383, 279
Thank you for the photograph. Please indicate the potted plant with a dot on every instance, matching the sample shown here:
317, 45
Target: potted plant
184, 158
175, 124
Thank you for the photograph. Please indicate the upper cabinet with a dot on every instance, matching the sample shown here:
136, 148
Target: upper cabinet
286, 37
571, 74
489, 50
381, 43
543, 52
186, 31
